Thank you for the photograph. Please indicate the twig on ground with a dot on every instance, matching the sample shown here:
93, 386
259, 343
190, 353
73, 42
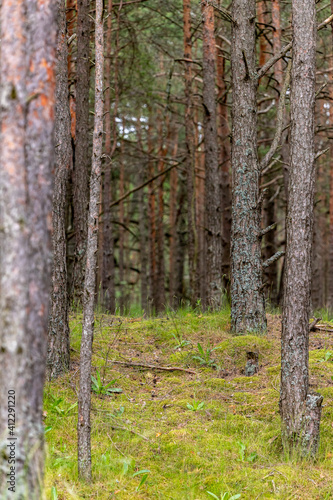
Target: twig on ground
154, 367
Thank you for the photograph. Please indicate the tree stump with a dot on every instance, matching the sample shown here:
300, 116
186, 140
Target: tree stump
252, 365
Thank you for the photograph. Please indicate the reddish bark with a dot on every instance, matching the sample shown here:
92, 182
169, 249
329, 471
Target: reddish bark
108, 287
224, 159
27, 73
190, 166
263, 46
173, 222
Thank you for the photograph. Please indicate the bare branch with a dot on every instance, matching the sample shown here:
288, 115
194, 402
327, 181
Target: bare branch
273, 259
279, 127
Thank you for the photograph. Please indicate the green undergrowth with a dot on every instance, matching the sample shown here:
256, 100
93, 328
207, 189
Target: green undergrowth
172, 434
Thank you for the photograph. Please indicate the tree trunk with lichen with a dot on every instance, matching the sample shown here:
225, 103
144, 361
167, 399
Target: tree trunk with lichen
27, 95
247, 298
300, 410
84, 447
213, 223
58, 341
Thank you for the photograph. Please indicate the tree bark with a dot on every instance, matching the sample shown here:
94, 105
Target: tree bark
58, 334
84, 447
300, 410
82, 160
173, 223
190, 166
27, 94
213, 261
108, 286
247, 299
152, 221
330, 258
224, 159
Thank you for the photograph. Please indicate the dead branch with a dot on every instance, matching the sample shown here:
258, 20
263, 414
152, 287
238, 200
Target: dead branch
273, 259
279, 119
313, 324
154, 367
268, 229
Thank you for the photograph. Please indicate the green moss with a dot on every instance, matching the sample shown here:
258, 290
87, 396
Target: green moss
187, 452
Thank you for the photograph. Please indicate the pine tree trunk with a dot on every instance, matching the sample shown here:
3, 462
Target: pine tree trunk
121, 259
173, 223
84, 426
300, 410
190, 170
247, 299
82, 160
330, 257
108, 286
213, 260
152, 222
224, 159
27, 94
58, 332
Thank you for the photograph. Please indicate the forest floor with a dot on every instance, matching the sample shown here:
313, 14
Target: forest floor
173, 434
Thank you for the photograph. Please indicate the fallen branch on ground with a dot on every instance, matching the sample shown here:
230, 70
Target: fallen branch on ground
154, 367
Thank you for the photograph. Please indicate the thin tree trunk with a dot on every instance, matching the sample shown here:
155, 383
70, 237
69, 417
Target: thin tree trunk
300, 410
330, 257
224, 159
190, 167
27, 90
247, 298
152, 222
142, 225
121, 259
108, 286
82, 160
163, 149
84, 447
71, 16
58, 333
173, 222
263, 45
213, 261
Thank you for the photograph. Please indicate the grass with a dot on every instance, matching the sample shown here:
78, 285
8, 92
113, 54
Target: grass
149, 443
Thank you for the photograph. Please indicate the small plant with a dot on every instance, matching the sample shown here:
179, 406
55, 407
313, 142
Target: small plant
224, 496
144, 473
243, 456
204, 356
195, 406
56, 408
54, 493
328, 356
98, 386
180, 341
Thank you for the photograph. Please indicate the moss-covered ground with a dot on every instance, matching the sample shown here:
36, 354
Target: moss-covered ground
230, 443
